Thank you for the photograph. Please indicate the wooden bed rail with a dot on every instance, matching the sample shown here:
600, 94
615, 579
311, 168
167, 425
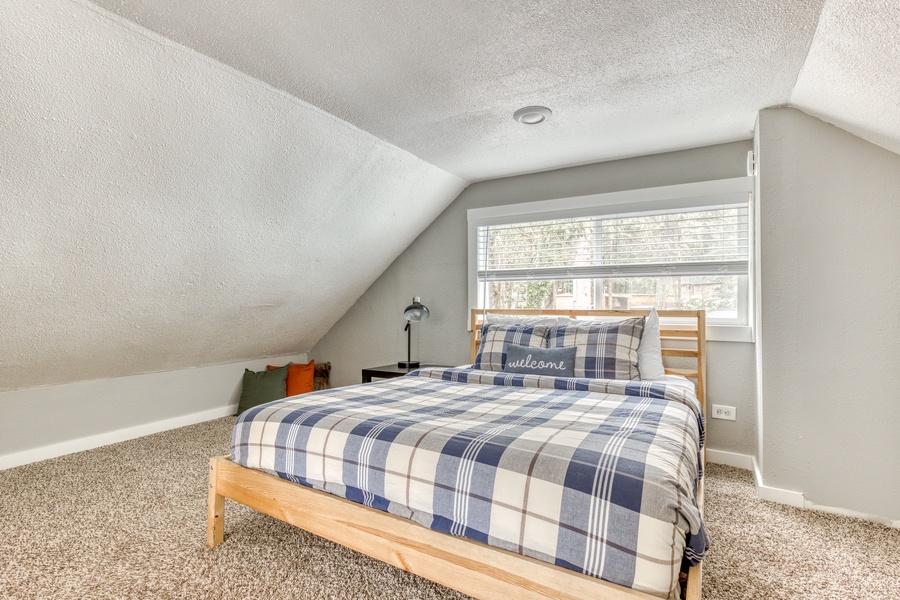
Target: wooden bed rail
481, 571
470, 567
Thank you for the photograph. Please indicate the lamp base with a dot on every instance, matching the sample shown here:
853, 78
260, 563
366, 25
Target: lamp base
408, 364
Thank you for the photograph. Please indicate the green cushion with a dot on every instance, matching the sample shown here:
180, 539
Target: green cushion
262, 386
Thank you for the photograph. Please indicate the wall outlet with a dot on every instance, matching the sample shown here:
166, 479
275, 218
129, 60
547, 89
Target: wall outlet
723, 412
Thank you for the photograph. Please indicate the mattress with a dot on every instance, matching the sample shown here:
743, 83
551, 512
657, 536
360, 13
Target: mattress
596, 476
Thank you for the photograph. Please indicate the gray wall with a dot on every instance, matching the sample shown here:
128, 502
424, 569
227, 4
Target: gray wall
52, 420
830, 334
434, 267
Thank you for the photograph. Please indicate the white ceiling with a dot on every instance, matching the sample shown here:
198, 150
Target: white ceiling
851, 76
442, 79
159, 210
624, 78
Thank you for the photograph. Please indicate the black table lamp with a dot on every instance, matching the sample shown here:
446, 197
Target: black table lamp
414, 313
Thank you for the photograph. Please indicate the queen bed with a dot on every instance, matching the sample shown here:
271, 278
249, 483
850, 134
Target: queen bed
505, 478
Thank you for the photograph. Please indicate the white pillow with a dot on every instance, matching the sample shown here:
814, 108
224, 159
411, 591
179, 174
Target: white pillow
522, 319
649, 352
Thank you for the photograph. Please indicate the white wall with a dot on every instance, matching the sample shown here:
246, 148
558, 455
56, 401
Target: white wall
160, 210
44, 422
830, 338
434, 267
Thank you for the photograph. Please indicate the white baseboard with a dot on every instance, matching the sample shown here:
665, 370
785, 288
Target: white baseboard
50, 421
852, 513
798, 500
773, 494
731, 459
748, 462
782, 496
90, 442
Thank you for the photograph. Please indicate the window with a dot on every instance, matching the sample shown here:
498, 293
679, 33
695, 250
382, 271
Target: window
676, 247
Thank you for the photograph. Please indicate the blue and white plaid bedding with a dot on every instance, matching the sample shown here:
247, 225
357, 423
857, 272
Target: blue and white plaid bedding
593, 475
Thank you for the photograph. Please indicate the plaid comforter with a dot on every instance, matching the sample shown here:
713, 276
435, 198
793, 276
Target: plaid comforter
593, 475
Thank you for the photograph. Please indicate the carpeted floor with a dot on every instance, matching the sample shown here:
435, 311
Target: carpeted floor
767, 550
128, 521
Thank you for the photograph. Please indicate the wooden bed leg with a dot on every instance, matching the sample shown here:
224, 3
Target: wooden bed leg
695, 573
692, 591
215, 517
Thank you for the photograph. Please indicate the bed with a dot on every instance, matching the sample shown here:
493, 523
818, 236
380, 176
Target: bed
491, 546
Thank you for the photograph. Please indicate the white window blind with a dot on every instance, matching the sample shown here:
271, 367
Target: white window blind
681, 242
684, 246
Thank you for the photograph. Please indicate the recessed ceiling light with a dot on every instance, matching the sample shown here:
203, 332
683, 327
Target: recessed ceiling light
532, 115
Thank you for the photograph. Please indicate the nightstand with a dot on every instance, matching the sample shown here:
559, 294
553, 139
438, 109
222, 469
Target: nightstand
391, 371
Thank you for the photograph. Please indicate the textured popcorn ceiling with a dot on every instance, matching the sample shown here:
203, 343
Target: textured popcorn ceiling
163, 211
442, 79
852, 75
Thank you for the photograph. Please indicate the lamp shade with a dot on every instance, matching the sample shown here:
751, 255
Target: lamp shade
416, 311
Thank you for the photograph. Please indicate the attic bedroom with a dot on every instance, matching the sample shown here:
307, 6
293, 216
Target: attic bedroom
626, 274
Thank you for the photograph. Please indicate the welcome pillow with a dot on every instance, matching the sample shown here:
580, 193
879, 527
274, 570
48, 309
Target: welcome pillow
557, 362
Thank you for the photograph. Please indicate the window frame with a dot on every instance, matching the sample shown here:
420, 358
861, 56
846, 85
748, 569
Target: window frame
679, 196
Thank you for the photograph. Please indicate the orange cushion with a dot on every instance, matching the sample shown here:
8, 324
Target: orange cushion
299, 378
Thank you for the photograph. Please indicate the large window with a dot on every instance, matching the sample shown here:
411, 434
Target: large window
678, 247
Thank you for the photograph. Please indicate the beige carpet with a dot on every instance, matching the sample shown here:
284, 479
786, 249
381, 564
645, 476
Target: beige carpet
767, 550
128, 521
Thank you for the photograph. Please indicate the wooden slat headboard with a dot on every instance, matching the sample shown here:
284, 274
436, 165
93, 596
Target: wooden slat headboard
681, 339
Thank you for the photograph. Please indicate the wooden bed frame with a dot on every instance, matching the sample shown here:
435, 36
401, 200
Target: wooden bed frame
470, 567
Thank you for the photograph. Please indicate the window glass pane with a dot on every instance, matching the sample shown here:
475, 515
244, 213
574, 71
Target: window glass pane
538, 294
718, 295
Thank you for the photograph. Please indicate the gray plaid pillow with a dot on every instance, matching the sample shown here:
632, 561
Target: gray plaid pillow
557, 362
495, 339
604, 350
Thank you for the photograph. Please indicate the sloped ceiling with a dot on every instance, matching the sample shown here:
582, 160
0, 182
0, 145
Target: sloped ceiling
851, 77
188, 183
161, 210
